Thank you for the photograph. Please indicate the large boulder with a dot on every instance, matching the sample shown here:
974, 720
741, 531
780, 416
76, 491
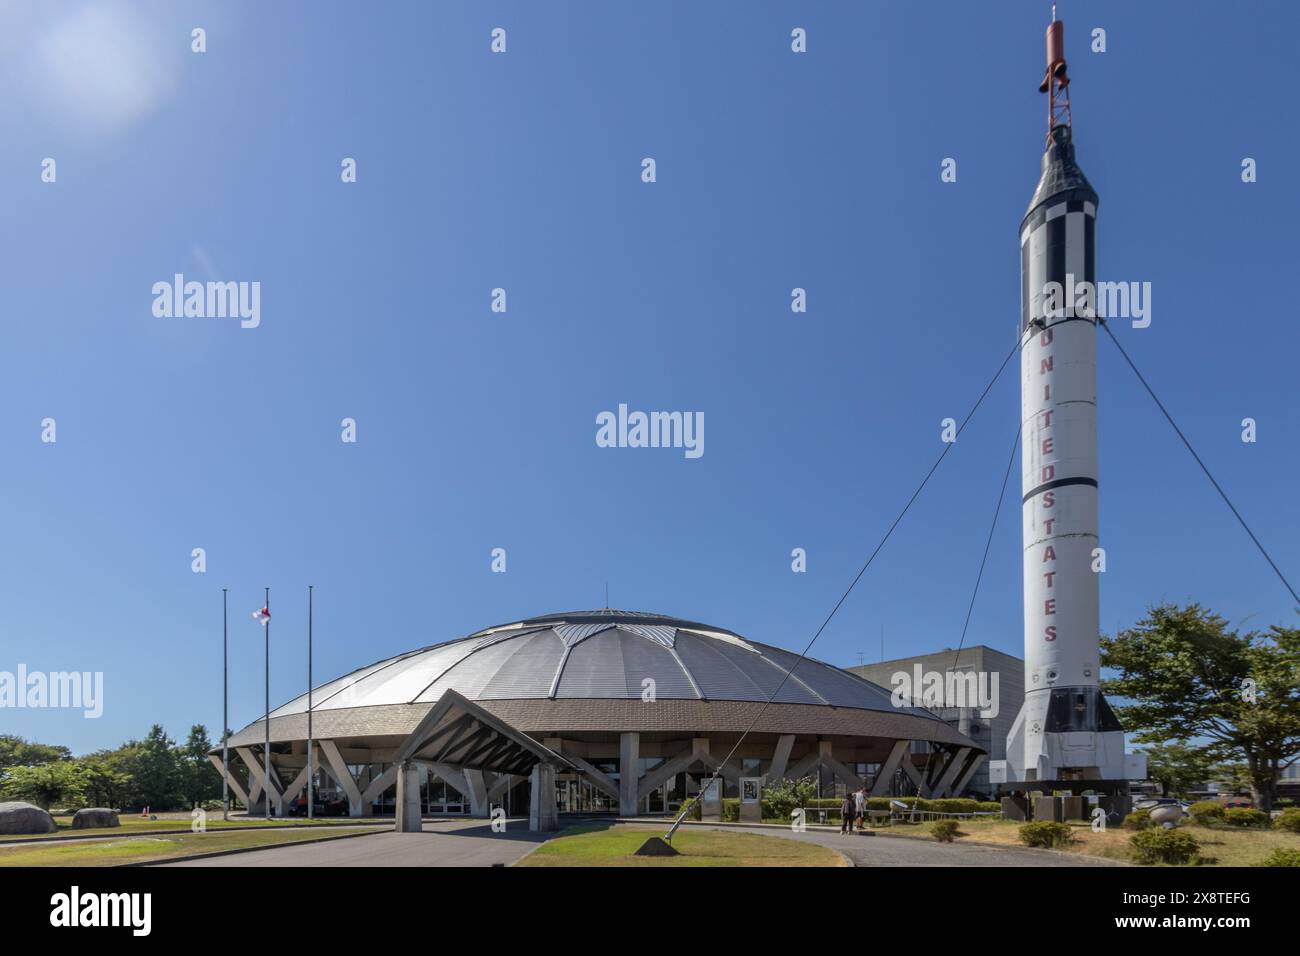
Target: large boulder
91, 817
19, 817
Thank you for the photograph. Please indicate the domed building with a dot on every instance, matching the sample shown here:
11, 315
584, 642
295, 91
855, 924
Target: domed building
627, 713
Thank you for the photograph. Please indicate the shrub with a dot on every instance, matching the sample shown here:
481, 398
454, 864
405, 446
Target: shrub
944, 830
731, 809
943, 805
823, 803
694, 812
780, 797
1289, 820
1242, 817
1046, 833
1156, 845
1281, 856
882, 803
1206, 812
1137, 820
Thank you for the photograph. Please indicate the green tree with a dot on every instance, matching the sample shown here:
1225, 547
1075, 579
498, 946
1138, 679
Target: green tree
104, 783
157, 772
783, 796
48, 784
1178, 767
200, 781
17, 752
1191, 677
122, 764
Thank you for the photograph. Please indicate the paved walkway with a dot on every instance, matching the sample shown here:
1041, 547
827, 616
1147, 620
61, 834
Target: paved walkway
914, 851
471, 842
452, 843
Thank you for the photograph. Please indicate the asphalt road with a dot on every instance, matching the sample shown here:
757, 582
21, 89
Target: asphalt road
452, 843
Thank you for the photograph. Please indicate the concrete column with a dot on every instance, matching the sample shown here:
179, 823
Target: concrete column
408, 799
956, 762
629, 773
963, 781
476, 790
887, 769
542, 815
341, 773
780, 758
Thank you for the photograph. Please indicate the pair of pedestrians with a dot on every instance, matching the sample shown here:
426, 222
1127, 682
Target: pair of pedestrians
853, 809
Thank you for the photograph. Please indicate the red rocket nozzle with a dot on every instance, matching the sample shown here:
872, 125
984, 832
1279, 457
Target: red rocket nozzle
1055, 57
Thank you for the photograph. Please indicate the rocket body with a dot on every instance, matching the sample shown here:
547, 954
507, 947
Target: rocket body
1065, 731
1066, 735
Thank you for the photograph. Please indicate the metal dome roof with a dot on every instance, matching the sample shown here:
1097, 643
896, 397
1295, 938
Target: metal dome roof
601, 654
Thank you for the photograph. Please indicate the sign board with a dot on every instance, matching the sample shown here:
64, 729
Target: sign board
751, 799
711, 801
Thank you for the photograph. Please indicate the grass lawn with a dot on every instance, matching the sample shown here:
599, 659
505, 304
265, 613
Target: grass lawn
171, 821
604, 845
133, 849
1235, 847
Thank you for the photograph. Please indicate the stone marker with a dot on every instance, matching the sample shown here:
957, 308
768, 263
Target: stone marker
1015, 808
1072, 808
1048, 808
89, 818
19, 817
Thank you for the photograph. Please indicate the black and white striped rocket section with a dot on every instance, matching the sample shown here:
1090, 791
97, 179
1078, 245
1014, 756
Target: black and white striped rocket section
1065, 730
1058, 403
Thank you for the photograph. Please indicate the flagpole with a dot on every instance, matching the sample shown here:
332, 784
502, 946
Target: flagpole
266, 783
225, 707
310, 798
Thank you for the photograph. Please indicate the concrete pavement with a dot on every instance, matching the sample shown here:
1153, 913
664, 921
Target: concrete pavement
471, 842
914, 851
451, 843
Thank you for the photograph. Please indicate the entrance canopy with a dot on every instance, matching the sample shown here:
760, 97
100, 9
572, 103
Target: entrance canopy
459, 733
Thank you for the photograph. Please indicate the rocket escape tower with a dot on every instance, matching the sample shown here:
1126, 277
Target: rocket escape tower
1056, 82
1066, 736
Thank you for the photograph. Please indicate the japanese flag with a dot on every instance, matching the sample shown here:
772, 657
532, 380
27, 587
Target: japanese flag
262, 617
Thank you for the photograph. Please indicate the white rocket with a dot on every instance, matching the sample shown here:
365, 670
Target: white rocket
1066, 731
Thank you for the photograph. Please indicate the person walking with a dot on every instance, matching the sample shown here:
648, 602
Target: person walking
860, 806
847, 806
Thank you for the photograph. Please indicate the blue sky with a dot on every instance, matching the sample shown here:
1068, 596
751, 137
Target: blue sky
476, 430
